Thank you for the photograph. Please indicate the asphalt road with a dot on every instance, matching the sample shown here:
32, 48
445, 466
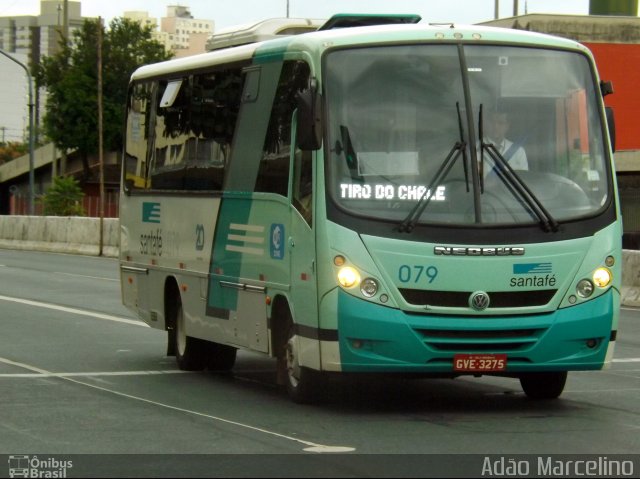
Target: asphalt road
80, 377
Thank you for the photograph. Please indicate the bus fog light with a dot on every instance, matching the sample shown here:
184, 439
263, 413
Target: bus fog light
584, 288
348, 277
592, 343
369, 287
602, 277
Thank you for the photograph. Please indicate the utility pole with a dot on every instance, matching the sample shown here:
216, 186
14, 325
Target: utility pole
31, 132
65, 21
287, 8
496, 10
100, 136
515, 8
3, 128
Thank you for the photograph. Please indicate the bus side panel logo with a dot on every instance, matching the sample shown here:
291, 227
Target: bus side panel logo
277, 241
199, 237
532, 268
150, 212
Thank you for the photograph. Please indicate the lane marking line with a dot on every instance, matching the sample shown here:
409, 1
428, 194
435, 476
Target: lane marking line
92, 374
81, 312
310, 446
626, 360
85, 276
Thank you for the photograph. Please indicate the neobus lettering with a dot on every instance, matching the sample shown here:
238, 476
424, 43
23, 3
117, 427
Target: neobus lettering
474, 251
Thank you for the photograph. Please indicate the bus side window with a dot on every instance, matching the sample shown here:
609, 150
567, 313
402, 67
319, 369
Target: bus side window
137, 136
215, 105
196, 120
273, 174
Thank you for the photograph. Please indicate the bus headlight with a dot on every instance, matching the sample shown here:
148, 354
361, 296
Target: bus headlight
584, 288
348, 277
369, 287
602, 277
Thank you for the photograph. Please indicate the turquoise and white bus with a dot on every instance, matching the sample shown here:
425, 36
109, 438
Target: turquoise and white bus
338, 201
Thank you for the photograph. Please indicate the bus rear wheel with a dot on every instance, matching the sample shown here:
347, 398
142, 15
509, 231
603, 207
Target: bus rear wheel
221, 357
191, 353
543, 385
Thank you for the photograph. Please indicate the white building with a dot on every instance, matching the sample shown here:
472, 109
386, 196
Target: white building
14, 112
185, 35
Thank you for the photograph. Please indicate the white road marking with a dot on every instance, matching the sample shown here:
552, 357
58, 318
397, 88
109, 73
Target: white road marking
626, 360
86, 276
92, 374
310, 446
81, 312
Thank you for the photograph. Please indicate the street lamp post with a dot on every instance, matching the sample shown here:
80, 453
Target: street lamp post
31, 132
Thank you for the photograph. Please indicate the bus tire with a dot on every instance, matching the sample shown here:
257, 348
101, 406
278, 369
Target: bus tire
303, 384
543, 385
221, 357
191, 353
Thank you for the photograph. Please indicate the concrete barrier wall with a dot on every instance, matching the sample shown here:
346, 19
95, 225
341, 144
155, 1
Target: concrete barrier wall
78, 235
60, 234
631, 278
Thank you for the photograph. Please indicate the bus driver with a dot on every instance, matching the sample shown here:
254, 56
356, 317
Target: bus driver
497, 126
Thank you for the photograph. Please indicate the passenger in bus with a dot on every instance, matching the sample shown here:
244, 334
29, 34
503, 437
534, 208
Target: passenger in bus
496, 128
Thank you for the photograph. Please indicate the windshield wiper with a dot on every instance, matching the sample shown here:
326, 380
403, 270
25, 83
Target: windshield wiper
513, 182
349, 151
460, 147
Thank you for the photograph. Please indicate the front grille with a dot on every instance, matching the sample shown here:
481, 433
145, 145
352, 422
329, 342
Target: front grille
460, 299
480, 340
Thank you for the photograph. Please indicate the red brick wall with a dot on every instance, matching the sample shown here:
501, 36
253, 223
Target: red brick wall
620, 64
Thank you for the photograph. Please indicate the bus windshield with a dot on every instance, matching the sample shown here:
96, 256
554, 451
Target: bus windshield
459, 126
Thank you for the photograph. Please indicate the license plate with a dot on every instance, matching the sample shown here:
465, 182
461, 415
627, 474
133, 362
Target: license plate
478, 363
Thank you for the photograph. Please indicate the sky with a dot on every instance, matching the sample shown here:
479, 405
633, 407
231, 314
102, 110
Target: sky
226, 13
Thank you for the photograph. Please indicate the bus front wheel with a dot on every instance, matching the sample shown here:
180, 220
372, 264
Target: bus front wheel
543, 385
303, 384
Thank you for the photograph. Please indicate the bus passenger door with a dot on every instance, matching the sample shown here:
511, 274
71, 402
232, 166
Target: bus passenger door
302, 247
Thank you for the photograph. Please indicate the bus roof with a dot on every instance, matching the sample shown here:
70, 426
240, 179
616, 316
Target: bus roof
261, 31
320, 40
281, 27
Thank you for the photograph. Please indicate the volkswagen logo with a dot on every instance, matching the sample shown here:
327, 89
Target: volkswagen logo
479, 301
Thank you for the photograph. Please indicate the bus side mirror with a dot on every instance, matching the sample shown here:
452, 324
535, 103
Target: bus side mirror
611, 123
309, 127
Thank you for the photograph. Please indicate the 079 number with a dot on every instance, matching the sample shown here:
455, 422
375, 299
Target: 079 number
415, 273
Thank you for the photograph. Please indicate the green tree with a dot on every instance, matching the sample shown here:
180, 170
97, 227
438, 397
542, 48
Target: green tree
63, 198
71, 80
